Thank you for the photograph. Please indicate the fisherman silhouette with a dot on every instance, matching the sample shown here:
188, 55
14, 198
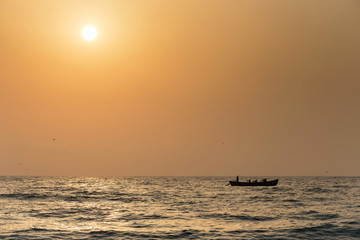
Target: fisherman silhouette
237, 178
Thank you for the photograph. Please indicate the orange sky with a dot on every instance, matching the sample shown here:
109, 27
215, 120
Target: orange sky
180, 88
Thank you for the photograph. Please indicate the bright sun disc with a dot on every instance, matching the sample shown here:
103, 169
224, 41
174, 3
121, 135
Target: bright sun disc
89, 33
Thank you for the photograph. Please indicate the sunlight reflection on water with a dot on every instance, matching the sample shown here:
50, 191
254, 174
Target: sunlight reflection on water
178, 207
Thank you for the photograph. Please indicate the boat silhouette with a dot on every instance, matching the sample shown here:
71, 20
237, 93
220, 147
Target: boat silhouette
264, 182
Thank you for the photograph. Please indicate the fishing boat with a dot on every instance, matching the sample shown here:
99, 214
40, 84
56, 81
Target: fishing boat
263, 182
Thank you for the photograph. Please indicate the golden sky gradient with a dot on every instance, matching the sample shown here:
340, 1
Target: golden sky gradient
180, 87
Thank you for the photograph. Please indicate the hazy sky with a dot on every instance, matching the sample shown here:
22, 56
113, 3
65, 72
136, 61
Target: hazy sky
184, 87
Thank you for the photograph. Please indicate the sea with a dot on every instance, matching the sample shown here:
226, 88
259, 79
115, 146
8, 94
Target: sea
178, 208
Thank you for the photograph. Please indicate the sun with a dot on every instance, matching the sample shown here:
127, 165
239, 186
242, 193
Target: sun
89, 33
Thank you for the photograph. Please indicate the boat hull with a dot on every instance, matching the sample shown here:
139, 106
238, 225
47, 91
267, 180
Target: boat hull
267, 183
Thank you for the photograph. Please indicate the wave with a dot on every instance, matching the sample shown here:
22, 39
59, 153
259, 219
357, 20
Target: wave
314, 216
178, 234
238, 217
116, 209
319, 190
35, 229
103, 233
24, 196
133, 217
78, 197
326, 231
106, 234
325, 216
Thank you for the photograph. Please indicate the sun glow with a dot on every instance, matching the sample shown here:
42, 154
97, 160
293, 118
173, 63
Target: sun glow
89, 33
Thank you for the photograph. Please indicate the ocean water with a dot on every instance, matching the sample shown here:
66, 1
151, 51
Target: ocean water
178, 208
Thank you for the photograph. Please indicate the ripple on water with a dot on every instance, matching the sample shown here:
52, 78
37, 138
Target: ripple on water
325, 231
242, 217
178, 208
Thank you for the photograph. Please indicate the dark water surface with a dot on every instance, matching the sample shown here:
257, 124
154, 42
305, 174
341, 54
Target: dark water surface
178, 208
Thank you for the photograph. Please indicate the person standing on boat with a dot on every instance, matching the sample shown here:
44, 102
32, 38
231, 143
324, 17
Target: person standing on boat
237, 178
